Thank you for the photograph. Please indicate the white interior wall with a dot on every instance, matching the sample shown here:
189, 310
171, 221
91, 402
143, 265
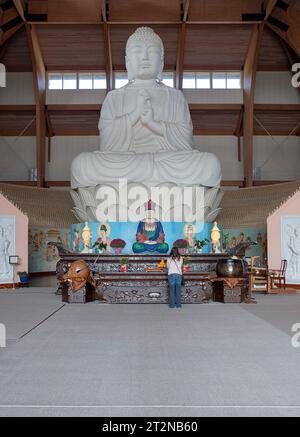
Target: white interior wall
225, 148
19, 90
277, 161
275, 87
17, 157
272, 87
63, 151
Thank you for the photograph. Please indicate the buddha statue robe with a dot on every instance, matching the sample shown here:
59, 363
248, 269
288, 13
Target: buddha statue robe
140, 155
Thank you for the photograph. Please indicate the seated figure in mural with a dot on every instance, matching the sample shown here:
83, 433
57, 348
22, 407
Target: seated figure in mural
146, 129
150, 235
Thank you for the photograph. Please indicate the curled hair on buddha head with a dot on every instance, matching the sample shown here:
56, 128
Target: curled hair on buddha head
175, 253
141, 35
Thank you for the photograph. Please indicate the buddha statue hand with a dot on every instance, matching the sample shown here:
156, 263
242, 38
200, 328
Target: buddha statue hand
142, 102
147, 118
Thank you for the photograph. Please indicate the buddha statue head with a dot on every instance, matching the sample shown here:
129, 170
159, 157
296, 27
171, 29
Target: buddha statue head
144, 55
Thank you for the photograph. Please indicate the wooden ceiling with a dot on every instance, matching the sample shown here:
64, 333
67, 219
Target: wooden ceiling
71, 33
73, 36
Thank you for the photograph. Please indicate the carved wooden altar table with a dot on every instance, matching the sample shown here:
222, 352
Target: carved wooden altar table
141, 283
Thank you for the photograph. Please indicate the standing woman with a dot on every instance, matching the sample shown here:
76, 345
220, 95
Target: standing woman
174, 265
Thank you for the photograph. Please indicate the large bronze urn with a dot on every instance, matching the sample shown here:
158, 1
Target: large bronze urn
230, 268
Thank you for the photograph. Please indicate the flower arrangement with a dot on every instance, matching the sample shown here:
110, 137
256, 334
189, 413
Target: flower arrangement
118, 242
199, 244
186, 263
124, 262
187, 260
118, 245
99, 245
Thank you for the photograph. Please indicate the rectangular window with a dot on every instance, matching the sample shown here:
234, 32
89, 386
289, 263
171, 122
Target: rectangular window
55, 81
85, 81
219, 80
203, 81
99, 81
234, 81
121, 79
189, 81
168, 79
70, 81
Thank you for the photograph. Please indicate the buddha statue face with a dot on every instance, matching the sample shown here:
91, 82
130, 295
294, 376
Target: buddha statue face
144, 55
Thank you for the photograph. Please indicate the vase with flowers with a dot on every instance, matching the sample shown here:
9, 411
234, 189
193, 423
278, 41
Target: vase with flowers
186, 263
99, 246
118, 245
123, 264
200, 244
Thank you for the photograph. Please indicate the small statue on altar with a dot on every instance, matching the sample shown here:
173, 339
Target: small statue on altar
150, 235
216, 238
86, 238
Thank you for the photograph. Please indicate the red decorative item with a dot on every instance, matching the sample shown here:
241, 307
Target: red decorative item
118, 242
124, 268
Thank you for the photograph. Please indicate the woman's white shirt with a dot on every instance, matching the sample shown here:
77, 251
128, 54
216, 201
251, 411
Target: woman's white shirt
174, 266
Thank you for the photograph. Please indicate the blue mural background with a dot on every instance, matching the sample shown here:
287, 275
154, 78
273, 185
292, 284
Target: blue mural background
127, 232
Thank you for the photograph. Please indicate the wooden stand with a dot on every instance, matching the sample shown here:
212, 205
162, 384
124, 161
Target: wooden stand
229, 290
84, 295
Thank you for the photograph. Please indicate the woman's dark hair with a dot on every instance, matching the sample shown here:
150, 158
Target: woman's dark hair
175, 253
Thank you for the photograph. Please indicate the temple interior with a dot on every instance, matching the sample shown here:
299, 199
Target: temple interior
194, 107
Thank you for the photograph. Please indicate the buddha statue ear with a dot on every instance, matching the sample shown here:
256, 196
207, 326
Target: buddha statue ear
160, 74
129, 69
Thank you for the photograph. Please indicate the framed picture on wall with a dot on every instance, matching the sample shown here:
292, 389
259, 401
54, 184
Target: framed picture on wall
290, 247
7, 247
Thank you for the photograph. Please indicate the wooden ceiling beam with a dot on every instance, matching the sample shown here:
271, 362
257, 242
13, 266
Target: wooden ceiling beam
181, 47
108, 57
186, 10
17, 108
192, 106
6, 36
282, 35
50, 130
249, 81
20, 8
270, 7
39, 79
144, 22
180, 56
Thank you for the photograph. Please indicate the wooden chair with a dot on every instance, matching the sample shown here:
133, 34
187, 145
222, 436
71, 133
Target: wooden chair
259, 280
279, 276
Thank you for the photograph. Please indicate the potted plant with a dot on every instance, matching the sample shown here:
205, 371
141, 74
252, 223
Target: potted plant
118, 245
181, 245
123, 263
186, 263
226, 241
199, 244
99, 246
24, 278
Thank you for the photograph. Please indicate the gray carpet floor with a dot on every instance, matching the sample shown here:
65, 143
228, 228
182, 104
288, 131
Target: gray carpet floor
148, 360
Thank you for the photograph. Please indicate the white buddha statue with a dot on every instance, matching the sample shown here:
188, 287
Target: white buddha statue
146, 133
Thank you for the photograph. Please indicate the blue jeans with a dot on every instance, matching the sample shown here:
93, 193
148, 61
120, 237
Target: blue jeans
175, 290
